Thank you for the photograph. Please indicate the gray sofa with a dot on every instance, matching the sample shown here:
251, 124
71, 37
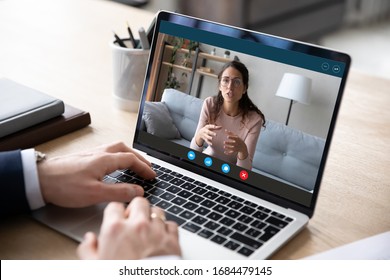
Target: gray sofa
283, 153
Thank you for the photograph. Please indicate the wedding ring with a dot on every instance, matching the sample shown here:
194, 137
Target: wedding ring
156, 216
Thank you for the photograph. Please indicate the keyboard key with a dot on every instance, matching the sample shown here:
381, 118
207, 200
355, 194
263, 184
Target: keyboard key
210, 195
174, 189
226, 221
225, 231
205, 233
172, 217
278, 215
208, 203
213, 189
153, 199
276, 222
156, 191
187, 215
232, 214
265, 210
211, 225
245, 251
218, 239
223, 200
190, 206
231, 245
220, 208
199, 190
253, 232
258, 224
214, 216
188, 186
164, 204
165, 170
176, 181
167, 196
185, 194
246, 240
115, 174
269, 232
162, 184
225, 194
175, 209
109, 180
196, 198
247, 210
165, 177
188, 179
202, 211
240, 227
235, 205
191, 227
245, 219
199, 220
179, 200
260, 215
124, 178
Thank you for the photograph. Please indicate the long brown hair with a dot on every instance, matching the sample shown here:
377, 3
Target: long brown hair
245, 104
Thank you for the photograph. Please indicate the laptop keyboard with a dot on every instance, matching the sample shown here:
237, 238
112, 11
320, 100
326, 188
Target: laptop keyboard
233, 222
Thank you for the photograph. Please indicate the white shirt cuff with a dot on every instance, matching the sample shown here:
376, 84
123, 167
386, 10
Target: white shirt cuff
31, 180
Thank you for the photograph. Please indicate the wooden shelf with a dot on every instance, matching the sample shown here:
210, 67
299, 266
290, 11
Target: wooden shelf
212, 75
177, 66
214, 57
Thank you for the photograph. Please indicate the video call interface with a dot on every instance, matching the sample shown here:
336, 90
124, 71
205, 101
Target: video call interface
287, 157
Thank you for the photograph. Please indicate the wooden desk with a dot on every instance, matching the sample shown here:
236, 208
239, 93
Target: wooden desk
61, 47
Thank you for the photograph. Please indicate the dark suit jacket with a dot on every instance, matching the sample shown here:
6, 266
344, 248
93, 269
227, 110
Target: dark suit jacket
12, 189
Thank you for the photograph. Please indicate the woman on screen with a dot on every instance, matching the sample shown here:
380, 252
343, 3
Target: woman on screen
230, 123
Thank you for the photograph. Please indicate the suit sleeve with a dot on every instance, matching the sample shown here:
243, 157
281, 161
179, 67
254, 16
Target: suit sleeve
12, 188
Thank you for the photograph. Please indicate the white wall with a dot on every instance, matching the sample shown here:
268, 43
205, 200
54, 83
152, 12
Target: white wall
264, 79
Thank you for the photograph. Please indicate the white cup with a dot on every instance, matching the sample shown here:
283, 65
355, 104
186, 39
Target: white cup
128, 68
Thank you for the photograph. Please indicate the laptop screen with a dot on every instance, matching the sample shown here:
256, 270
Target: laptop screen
247, 109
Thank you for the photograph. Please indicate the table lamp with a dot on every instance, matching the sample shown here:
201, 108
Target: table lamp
295, 87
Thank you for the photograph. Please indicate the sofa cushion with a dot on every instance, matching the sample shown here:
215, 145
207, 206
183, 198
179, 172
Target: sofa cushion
158, 121
289, 154
185, 111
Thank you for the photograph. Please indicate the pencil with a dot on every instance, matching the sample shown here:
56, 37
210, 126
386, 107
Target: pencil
131, 36
119, 40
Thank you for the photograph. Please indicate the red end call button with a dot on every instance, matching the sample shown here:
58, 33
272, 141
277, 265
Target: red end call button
243, 175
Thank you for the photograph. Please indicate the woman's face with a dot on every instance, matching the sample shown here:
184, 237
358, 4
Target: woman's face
231, 85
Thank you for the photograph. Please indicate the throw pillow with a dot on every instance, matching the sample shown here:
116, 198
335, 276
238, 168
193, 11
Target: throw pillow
158, 121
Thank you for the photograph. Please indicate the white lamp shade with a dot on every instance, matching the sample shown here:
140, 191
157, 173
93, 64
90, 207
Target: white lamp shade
295, 87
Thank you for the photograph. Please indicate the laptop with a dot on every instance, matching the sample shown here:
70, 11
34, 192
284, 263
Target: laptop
224, 210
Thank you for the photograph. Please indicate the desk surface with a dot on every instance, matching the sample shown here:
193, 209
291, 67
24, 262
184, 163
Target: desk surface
61, 47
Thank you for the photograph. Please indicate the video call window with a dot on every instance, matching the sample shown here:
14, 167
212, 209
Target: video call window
297, 105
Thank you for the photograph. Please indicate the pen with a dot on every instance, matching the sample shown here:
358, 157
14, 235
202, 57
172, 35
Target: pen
119, 40
131, 36
143, 39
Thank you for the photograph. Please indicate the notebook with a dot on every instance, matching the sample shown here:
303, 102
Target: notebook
227, 210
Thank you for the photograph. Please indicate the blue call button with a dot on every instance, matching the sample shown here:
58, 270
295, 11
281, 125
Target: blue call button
208, 161
225, 168
191, 155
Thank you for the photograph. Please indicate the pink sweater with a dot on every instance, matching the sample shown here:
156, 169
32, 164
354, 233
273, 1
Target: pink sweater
249, 132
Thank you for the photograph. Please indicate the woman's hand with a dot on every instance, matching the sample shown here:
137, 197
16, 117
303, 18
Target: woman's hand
235, 144
76, 180
136, 232
206, 134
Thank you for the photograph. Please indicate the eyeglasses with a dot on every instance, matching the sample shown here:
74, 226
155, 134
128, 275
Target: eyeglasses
236, 82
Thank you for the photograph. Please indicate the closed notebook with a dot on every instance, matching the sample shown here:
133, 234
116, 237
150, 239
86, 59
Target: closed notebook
72, 119
22, 107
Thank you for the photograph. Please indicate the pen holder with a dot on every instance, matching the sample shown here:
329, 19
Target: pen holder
128, 68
